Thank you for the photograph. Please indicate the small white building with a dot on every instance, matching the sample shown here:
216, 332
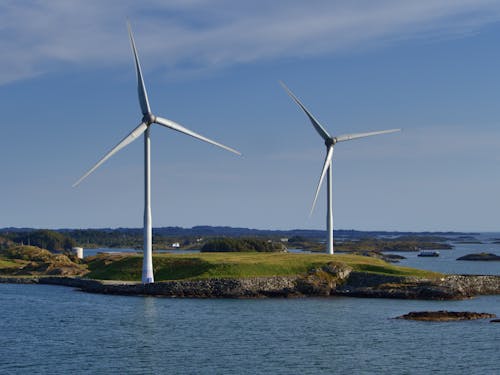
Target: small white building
176, 245
78, 251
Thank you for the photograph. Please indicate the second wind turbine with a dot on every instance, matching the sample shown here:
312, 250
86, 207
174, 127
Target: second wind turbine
327, 166
148, 119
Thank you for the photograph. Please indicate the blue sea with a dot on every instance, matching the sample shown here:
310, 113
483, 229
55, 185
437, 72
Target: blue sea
57, 330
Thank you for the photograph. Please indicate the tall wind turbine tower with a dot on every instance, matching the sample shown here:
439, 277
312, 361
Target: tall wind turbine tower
148, 119
327, 166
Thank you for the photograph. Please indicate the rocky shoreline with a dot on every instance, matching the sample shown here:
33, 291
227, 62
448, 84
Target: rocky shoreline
327, 281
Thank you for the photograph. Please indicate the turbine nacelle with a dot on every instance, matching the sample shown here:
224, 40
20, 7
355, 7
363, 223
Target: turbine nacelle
149, 118
329, 142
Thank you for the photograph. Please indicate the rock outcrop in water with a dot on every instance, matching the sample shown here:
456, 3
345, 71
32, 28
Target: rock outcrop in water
445, 316
446, 288
481, 256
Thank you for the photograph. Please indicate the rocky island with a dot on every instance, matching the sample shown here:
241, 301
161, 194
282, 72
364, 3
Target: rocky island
445, 316
240, 275
480, 256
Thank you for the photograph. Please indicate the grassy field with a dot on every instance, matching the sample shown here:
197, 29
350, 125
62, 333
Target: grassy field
235, 265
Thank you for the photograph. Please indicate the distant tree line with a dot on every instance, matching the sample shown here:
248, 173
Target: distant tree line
241, 245
43, 238
106, 238
164, 238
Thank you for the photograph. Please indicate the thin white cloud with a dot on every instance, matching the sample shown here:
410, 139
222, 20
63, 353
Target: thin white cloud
38, 36
430, 144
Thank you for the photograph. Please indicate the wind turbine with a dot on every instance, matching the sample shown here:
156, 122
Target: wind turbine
327, 166
148, 119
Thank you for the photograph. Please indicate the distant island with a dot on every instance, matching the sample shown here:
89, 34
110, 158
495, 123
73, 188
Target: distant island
172, 238
481, 257
403, 243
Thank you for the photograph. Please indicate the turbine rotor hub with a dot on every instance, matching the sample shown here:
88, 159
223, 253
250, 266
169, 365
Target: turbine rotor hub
149, 118
330, 141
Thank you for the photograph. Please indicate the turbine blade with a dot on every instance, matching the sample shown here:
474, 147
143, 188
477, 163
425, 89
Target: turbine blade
348, 137
175, 126
326, 165
141, 89
321, 131
124, 142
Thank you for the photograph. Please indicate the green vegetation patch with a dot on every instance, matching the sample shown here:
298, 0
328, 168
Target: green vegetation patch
374, 265
9, 267
234, 265
242, 245
43, 238
28, 253
8, 263
114, 267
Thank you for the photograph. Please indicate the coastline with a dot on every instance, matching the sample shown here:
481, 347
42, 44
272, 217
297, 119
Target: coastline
354, 284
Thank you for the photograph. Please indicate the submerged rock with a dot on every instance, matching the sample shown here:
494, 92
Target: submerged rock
445, 316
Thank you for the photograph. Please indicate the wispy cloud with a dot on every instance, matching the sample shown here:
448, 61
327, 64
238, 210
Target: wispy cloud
45, 35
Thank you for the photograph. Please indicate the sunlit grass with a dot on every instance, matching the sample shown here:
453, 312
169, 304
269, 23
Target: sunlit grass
4, 263
235, 265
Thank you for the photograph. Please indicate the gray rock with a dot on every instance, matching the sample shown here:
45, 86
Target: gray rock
328, 280
445, 316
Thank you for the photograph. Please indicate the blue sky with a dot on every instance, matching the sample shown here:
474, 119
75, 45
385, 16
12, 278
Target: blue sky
68, 94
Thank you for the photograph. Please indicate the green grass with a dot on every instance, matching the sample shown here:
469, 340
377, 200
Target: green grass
5, 263
9, 266
235, 265
374, 265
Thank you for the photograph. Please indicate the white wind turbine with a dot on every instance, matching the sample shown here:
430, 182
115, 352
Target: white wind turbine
327, 166
144, 127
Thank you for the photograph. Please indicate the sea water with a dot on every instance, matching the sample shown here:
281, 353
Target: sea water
447, 261
57, 330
